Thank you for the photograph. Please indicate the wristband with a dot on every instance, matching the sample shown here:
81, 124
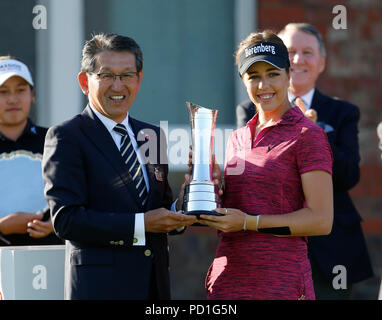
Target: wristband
257, 221
245, 222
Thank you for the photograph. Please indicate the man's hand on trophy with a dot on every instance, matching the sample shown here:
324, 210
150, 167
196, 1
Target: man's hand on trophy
162, 220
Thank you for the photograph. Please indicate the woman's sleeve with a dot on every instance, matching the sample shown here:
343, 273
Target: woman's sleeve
313, 151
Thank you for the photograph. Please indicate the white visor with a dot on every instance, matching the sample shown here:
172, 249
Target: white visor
10, 68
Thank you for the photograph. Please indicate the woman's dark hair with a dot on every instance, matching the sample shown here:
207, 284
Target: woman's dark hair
9, 57
108, 42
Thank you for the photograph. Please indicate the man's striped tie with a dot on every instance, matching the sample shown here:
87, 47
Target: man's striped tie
130, 157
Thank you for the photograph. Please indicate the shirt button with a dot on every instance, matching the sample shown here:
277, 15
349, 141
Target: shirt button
147, 252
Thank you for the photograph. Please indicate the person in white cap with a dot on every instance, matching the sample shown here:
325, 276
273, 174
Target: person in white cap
24, 214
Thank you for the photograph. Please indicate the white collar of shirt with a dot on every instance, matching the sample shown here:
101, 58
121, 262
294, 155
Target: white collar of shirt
108, 123
307, 98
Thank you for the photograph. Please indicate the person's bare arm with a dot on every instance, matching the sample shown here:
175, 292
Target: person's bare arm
315, 219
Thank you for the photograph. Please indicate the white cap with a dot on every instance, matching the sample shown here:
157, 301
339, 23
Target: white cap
10, 68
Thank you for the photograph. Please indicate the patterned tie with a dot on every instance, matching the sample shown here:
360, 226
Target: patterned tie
130, 157
300, 103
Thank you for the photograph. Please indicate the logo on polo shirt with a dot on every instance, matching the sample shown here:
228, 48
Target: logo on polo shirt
260, 49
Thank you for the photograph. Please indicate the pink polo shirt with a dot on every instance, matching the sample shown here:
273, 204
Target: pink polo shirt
264, 177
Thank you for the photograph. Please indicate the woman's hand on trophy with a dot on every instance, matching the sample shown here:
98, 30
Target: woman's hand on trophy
231, 220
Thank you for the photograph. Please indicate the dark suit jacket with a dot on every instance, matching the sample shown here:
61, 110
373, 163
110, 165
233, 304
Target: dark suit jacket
346, 244
93, 199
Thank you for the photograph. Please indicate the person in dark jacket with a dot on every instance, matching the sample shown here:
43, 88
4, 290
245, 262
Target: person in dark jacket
105, 176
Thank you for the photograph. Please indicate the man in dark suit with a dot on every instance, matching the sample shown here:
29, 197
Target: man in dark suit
105, 177
345, 246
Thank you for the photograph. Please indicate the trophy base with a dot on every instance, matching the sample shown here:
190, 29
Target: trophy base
197, 213
200, 198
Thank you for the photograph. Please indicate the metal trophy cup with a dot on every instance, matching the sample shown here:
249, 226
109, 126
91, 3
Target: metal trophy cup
200, 196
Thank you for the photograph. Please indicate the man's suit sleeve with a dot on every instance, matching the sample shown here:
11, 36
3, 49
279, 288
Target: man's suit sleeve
345, 148
241, 116
244, 112
64, 175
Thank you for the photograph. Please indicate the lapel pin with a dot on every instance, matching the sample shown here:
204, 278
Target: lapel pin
158, 174
142, 133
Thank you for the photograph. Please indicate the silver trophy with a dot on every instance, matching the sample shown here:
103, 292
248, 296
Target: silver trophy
200, 196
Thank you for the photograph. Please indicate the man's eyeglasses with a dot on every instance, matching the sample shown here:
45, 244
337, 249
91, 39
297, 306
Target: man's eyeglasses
111, 77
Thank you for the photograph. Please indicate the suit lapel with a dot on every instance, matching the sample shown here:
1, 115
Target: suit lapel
318, 104
138, 131
94, 129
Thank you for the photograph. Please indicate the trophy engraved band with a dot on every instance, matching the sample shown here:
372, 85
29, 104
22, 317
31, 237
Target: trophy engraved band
200, 196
